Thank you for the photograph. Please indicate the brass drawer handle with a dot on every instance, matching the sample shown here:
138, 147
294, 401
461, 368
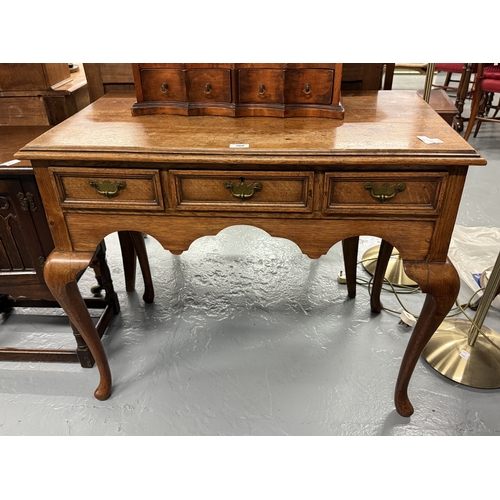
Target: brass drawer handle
243, 191
208, 88
384, 191
108, 188
262, 89
164, 88
307, 89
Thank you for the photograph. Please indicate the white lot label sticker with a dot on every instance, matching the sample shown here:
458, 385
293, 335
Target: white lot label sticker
428, 140
239, 145
464, 354
9, 163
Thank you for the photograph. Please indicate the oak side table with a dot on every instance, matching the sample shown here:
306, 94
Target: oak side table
315, 181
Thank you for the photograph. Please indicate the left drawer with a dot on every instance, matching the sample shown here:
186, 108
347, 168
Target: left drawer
108, 188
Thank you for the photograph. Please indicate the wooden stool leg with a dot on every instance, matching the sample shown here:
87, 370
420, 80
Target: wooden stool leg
350, 251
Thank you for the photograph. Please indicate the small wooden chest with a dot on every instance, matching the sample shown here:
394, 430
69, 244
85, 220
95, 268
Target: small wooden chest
279, 90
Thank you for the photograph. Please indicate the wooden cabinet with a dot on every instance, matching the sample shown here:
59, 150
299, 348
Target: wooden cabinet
25, 240
40, 94
279, 90
31, 76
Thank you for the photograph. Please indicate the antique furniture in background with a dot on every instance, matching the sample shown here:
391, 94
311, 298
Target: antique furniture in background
367, 76
466, 70
40, 94
103, 77
314, 181
486, 86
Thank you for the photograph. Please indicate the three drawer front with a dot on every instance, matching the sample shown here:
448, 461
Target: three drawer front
409, 193
194, 85
242, 191
106, 188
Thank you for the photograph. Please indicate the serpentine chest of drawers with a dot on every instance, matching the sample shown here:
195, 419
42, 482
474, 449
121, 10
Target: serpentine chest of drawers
315, 181
280, 90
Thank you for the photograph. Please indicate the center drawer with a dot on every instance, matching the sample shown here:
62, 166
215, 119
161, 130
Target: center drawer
108, 188
241, 190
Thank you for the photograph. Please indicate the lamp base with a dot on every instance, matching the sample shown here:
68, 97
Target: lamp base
395, 273
448, 352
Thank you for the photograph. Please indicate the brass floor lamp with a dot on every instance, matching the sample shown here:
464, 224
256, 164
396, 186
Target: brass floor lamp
466, 353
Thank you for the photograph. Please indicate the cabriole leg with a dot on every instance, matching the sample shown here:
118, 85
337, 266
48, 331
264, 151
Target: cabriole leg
61, 271
441, 283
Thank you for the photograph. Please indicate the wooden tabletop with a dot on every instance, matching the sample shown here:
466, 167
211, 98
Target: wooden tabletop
384, 125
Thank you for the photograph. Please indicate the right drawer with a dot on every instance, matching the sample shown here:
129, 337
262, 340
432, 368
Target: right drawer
409, 193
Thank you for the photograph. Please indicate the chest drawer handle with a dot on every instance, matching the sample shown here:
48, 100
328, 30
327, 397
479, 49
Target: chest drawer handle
208, 88
243, 191
164, 88
384, 191
307, 89
262, 89
108, 188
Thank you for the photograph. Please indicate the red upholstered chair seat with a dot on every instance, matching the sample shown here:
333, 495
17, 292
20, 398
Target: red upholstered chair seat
491, 85
491, 72
488, 84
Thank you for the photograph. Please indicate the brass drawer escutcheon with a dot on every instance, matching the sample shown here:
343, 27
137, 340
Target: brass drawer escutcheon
243, 191
384, 192
108, 188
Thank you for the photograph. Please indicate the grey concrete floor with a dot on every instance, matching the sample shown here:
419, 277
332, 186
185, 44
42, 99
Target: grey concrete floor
248, 337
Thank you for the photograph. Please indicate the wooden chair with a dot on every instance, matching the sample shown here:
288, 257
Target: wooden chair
487, 84
466, 72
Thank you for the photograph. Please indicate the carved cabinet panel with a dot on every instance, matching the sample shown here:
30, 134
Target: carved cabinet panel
25, 239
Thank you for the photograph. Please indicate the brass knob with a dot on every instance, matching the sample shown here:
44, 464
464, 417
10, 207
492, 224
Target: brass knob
307, 89
208, 88
384, 191
164, 87
262, 89
108, 188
